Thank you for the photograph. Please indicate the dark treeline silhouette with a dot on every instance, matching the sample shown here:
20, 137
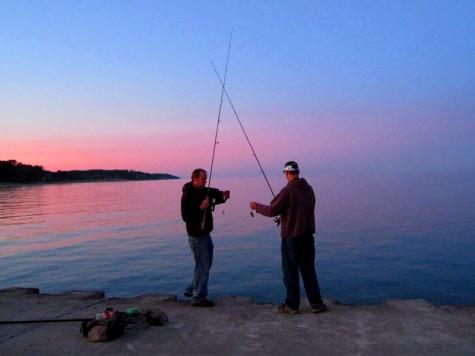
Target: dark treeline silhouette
12, 171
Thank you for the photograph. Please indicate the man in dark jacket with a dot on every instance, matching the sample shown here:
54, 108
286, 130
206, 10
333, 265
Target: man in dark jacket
296, 205
197, 204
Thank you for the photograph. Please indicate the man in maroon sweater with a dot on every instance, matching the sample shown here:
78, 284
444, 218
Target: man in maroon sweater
295, 203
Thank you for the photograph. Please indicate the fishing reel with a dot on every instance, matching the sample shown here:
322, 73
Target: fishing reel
276, 219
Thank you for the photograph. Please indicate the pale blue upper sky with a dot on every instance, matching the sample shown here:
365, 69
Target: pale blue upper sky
339, 86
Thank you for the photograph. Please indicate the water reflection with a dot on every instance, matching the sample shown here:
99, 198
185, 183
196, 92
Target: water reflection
377, 239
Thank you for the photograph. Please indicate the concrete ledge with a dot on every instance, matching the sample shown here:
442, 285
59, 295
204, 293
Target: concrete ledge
237, 326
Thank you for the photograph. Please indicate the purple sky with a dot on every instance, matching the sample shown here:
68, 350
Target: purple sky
339, 86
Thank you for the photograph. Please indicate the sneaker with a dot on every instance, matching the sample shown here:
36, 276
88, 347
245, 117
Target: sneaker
203, 303
284, 308
188, 294
319, 308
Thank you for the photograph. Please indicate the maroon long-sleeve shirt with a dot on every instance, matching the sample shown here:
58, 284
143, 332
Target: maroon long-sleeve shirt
295, 203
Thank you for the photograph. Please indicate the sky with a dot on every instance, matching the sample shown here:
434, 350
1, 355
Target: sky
341, 87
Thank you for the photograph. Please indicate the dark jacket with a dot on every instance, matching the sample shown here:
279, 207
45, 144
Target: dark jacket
191, 213
295, 203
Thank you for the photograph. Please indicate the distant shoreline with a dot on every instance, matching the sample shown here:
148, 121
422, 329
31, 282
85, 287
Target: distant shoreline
19, 184
13, 172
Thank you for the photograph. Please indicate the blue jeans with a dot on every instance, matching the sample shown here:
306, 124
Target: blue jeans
202, 249
298, 254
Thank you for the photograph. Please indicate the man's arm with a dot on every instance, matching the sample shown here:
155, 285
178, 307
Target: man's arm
276, 207
218, 196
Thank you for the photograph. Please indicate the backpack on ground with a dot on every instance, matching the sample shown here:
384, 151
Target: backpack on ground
106, 329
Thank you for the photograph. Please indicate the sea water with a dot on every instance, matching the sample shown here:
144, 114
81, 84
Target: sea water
378, 238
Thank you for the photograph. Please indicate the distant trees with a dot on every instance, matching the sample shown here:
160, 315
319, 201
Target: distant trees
14, 172
101, 174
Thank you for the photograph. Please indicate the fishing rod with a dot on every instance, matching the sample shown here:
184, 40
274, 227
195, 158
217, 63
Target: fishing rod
276, 219
217, 127
3, 322
244, 131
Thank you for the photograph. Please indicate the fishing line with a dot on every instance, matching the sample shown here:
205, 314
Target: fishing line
244, 131
276, 219
217, 128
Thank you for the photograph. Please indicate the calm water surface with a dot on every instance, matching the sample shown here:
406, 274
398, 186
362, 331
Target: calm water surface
377, 239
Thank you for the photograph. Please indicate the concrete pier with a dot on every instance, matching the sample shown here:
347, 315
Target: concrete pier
236, 326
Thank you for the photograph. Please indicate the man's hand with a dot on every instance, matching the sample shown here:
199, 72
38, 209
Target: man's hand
253, 205
205, 204
226, 195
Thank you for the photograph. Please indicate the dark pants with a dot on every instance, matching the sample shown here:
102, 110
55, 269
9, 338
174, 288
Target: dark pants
298, 253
